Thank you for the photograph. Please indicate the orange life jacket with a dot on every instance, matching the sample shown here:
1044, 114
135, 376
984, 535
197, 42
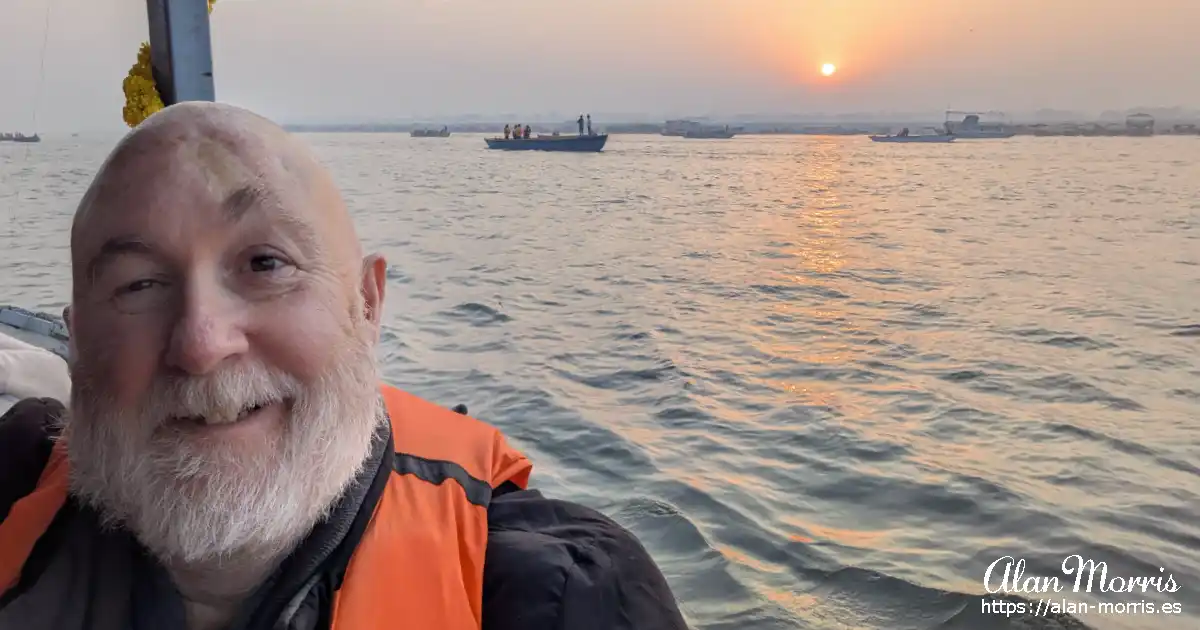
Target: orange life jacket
420, 561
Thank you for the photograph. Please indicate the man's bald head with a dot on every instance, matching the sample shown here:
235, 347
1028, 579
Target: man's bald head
233, 156
223, 321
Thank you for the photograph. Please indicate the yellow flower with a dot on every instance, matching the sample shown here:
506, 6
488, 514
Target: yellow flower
141, 93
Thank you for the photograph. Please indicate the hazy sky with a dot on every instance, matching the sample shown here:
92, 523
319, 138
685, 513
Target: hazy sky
308, 60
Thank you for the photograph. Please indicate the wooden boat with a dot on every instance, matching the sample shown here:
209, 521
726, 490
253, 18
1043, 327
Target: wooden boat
573, 144
33, 340
444, 132
17, 137
927, 138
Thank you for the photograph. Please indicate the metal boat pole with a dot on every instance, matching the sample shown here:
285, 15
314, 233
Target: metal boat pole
181, 50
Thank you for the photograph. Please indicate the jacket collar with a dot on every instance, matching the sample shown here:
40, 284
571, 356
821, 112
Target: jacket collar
320, 561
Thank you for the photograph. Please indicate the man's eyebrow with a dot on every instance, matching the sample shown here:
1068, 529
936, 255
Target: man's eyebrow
113, 248
247, 198
255, 197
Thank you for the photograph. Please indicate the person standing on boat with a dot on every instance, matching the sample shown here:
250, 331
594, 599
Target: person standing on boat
232, 456
517, 131
589, 124
507, 131
580, 121
527, 130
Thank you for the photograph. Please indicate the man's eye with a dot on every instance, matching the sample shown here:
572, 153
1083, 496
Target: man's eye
141, 296
266, 263
138, 286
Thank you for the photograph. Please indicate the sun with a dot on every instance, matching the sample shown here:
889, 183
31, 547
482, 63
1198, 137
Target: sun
828, 69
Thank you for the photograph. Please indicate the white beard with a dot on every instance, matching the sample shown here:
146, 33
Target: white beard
191, 500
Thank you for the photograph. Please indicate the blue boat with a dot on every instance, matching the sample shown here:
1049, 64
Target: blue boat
574, 144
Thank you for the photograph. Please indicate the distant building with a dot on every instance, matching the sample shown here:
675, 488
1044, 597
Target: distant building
1139, 125
680, 127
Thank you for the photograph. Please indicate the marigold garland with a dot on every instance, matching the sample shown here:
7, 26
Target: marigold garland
141, 93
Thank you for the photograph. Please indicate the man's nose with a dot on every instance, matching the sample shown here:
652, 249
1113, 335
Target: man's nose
209, 331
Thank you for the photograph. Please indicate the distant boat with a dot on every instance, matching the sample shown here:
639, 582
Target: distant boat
1139, 125
679, 128
693, 129
714, 133
970, 127
926, 138
444, 132
18, 137
574, 144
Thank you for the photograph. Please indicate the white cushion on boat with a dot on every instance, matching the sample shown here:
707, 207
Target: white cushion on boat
27, 371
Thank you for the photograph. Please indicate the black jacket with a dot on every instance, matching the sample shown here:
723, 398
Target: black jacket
550, 564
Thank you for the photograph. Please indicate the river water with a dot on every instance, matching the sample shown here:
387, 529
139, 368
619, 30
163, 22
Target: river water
826, 382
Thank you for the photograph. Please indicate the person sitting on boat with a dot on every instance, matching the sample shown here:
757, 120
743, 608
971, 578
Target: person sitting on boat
903, 133
231, 456
527, 131
507, 131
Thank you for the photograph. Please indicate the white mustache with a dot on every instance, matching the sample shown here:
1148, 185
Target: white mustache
221, 397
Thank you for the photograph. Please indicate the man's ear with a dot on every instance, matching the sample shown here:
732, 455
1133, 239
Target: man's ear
66, 315
374, 284
69, 322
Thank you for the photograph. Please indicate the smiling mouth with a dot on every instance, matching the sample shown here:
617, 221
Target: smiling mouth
217, 420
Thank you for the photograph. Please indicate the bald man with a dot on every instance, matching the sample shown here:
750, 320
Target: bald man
230, 458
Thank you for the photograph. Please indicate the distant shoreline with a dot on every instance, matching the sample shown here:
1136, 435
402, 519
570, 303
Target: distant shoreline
1079, 128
